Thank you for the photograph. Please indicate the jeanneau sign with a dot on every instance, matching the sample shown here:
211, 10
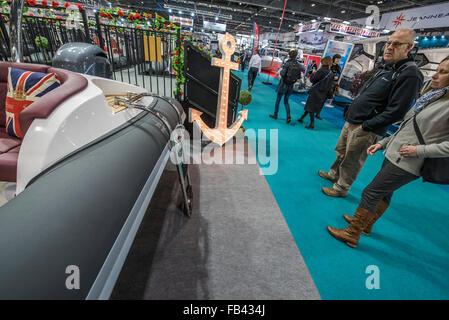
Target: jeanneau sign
420, 18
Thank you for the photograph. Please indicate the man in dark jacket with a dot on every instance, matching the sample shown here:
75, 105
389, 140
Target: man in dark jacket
243, 58
285, 86
383, 100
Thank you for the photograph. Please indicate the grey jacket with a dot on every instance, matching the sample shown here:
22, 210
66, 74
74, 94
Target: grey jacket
433, 122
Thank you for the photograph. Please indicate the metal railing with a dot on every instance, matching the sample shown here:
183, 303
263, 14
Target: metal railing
137, 56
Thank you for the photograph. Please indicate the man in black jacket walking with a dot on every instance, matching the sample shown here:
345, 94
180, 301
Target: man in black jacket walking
383, 100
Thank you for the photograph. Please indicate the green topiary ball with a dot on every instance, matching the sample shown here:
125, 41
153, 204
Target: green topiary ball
245, 97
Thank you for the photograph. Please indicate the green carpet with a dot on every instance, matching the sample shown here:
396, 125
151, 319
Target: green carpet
409, 244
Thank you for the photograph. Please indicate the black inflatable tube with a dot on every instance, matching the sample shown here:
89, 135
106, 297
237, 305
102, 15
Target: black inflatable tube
73, 213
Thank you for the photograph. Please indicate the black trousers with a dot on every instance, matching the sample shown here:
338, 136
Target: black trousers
252, 74
388, 179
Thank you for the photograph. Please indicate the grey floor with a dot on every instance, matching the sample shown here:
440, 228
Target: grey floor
236, 245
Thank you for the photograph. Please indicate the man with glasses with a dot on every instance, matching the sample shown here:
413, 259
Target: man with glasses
383, 100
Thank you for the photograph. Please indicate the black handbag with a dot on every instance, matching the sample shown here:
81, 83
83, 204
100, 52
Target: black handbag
434, 170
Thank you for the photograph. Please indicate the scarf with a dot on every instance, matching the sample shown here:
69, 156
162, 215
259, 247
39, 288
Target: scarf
428, 98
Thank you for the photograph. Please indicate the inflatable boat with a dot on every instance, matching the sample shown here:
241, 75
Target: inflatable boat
81, 179
84, 174
270, 63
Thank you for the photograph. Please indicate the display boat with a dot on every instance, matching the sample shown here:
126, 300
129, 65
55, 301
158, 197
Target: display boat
83, 175
269, 62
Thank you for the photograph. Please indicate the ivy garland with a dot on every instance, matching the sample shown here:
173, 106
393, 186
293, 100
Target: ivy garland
178, 64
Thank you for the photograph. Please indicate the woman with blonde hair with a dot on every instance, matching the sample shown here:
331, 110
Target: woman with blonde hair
424, 133
322, 89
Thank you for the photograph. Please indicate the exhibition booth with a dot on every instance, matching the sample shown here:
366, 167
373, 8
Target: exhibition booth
136, 153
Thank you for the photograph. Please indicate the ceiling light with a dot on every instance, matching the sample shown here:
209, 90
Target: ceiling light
327, 18
216, 18
386, 31
368, 27
170, 10
180, 12
313, 20
343, 11
313, 5
192, 14
346, 22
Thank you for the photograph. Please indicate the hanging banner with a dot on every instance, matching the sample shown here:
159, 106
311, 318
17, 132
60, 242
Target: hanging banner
182, 21
313, 40
308, 28
435, 16
214, 26
92, 4
354, 31
290, 36
344, 49
268, 36
256, 37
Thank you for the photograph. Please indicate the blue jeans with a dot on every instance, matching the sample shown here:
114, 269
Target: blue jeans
278, 100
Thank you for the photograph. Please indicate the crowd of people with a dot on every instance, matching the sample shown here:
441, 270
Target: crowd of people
391, 95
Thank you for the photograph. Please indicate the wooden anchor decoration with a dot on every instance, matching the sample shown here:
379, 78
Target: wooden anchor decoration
221, 133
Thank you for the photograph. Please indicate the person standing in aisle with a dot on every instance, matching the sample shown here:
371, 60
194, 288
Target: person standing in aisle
322, 87
243, 59
424, 133
383, 100
336, 69
289, 73
254, 67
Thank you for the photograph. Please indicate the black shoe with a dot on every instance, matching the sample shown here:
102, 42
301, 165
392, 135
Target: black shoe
301, 120
318, 117
310, 126
274, 116
289, 119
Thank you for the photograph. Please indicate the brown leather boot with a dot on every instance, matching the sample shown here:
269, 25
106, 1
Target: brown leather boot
382, 206
351, 234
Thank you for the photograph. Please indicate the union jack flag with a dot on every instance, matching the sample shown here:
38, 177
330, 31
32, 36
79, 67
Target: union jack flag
25, 87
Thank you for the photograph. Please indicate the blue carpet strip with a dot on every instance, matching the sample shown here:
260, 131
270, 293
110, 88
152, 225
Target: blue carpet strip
408, 247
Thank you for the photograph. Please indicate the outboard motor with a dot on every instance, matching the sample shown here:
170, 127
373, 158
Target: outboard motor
83, 58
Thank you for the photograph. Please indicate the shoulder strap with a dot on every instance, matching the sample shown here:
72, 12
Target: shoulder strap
418, 133
330, 71
406, 65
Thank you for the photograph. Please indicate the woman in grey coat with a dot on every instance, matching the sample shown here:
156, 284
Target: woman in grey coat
404, 155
